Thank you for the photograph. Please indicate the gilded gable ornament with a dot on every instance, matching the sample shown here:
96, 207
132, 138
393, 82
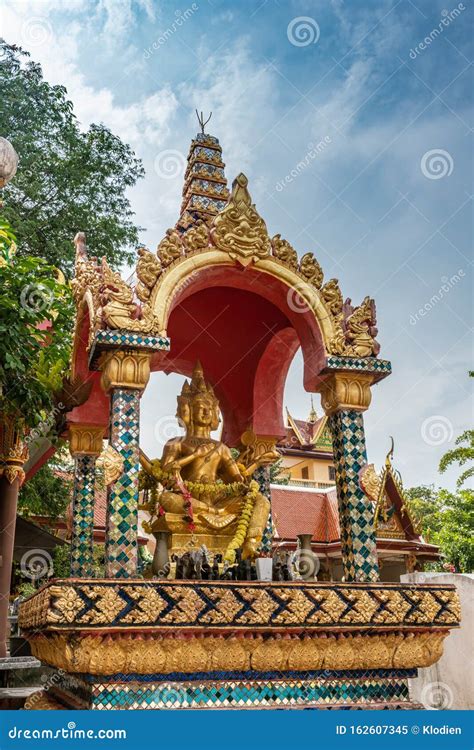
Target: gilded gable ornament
370, 482
332, 296
87, 276
111, 462
148, 270
196, 238
238, 229
170, 247
284, 251
311, 270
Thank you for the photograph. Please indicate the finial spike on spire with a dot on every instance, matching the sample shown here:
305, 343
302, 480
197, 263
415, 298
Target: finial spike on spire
201, 120
312, 414
388, 460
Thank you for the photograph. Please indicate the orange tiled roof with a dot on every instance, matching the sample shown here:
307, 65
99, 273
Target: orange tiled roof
297, 510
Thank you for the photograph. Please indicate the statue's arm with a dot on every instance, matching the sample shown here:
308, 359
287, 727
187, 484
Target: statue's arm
231, 470
171, 456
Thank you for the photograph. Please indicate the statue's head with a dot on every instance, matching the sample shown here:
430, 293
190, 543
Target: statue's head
197, 403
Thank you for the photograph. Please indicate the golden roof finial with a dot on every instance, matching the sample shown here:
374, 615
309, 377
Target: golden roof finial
201, 120
313, 417
388, 459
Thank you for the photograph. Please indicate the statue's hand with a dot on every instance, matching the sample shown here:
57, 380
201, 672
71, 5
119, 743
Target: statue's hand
269, 457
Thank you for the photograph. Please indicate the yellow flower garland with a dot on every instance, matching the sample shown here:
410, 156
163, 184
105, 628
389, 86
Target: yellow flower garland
243, 523
198, 489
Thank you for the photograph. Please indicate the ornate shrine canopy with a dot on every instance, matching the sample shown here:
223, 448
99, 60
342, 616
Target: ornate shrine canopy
220, 289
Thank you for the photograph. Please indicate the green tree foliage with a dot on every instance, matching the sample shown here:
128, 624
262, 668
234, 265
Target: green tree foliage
68, 180
278, 475
48, 492
35, 339
447, 519
463, 454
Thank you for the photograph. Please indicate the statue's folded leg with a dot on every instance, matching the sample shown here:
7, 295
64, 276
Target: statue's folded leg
173, 502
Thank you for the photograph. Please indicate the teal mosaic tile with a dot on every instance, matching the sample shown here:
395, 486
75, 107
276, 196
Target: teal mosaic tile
121, 553
363, 364
81, 561
356, 513
106, 340
243, 694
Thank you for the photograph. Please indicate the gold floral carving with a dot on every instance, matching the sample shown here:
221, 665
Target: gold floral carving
148, 271
241, 605
170, 247
111, 462
196, 238
67, 605
13, 448
238, 229
311, 270
370, 482
125, 369
346, 390
85, 440
107, 605
155, 654
284, 252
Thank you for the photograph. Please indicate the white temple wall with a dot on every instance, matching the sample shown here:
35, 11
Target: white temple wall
448, 683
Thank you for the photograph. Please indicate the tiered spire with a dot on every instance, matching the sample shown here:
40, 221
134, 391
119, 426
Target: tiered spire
205, 190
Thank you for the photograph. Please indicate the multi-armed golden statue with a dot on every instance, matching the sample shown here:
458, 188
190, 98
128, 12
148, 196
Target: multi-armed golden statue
198, 491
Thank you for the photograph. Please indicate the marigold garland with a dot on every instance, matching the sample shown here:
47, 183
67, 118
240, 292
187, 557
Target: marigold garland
149, 484
243, 523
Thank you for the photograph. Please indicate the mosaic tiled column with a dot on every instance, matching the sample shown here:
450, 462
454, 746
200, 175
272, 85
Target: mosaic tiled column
85, 444
124, 375
262, 477
344, 397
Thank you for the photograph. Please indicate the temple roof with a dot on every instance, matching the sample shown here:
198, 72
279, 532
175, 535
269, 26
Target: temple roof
310, 435
205, 191
298, 510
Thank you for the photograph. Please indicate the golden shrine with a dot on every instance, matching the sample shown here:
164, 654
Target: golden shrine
215, 631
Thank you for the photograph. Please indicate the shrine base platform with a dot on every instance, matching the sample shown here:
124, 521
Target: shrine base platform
135, 644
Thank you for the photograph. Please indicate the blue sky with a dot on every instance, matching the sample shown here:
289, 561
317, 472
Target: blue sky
385, 204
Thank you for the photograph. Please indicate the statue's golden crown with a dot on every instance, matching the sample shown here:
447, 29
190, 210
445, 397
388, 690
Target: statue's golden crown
198, 386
